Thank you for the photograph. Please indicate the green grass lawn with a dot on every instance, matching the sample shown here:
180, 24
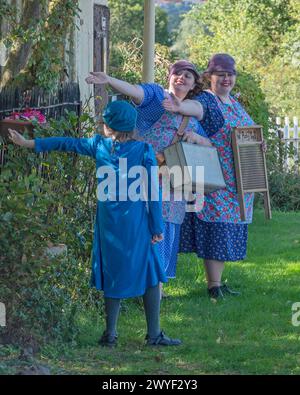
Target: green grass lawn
250, 334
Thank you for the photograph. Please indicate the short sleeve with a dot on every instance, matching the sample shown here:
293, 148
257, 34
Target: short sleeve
213, 119
153, 95
151, 109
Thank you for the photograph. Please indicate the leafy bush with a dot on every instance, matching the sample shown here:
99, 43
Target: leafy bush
253, 99
285, 191
284, 183
46, 199
262, 36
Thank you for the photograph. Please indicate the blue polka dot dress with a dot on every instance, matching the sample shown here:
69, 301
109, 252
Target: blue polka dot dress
168, 249
158, 128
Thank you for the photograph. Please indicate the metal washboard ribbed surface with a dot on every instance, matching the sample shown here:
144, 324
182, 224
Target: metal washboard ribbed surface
250, 165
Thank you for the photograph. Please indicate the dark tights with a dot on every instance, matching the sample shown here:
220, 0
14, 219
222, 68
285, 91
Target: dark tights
151, 301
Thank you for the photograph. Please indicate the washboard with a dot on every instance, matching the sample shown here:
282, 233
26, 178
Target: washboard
250, 165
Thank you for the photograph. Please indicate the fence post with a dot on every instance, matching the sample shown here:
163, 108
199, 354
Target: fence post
2, 314
290, 138
296, 143
296, 130
286, 128
286, 135
279, 152
278, 121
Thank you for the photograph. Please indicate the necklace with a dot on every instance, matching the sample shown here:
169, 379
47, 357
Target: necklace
113, 147
223, 100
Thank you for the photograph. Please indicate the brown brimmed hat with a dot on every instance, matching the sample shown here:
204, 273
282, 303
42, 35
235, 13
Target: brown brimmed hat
221, 62
181, 65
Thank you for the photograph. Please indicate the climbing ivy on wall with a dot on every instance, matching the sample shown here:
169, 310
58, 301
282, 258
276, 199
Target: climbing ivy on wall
35, 37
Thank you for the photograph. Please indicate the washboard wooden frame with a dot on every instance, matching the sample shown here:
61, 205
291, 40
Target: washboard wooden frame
250, 165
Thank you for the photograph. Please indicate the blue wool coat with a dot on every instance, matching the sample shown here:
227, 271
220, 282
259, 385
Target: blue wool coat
124, 262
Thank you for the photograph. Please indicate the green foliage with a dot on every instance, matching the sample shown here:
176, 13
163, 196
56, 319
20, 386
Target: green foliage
284, 190
127, 22
44, 200
188, 28
9, 13
46, 37
226, 29
126, 32
128, 62
253, 99
263, 37
47, 62
284, 183
162, 35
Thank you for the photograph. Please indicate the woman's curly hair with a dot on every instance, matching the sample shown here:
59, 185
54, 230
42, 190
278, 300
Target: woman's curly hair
198, 88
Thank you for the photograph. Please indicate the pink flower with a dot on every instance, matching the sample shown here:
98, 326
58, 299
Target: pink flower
28, 115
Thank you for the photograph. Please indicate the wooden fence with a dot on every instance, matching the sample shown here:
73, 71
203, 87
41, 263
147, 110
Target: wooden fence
290, 137
52, 105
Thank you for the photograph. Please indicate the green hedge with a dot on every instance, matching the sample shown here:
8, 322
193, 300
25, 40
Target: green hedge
44, 200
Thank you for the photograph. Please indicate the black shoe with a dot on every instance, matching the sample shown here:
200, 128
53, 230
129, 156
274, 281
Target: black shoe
162, 340
108, 340
226, 290
164, 295
215, 293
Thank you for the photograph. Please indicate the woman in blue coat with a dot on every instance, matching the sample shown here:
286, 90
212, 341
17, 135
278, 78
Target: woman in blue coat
125, 259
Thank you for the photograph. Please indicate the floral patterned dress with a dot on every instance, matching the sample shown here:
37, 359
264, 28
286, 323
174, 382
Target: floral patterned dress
217, 232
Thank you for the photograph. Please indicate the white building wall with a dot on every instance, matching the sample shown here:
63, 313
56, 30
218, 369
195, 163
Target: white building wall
84, 45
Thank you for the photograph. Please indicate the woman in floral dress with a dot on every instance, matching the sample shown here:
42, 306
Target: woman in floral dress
216, 233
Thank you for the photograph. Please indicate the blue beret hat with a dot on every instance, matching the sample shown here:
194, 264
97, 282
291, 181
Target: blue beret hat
120, 116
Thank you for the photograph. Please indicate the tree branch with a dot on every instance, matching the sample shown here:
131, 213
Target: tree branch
18, 57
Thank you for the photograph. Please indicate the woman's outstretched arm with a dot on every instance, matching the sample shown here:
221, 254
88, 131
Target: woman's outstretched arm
82, 146
185, 107
134, 91
18, 139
